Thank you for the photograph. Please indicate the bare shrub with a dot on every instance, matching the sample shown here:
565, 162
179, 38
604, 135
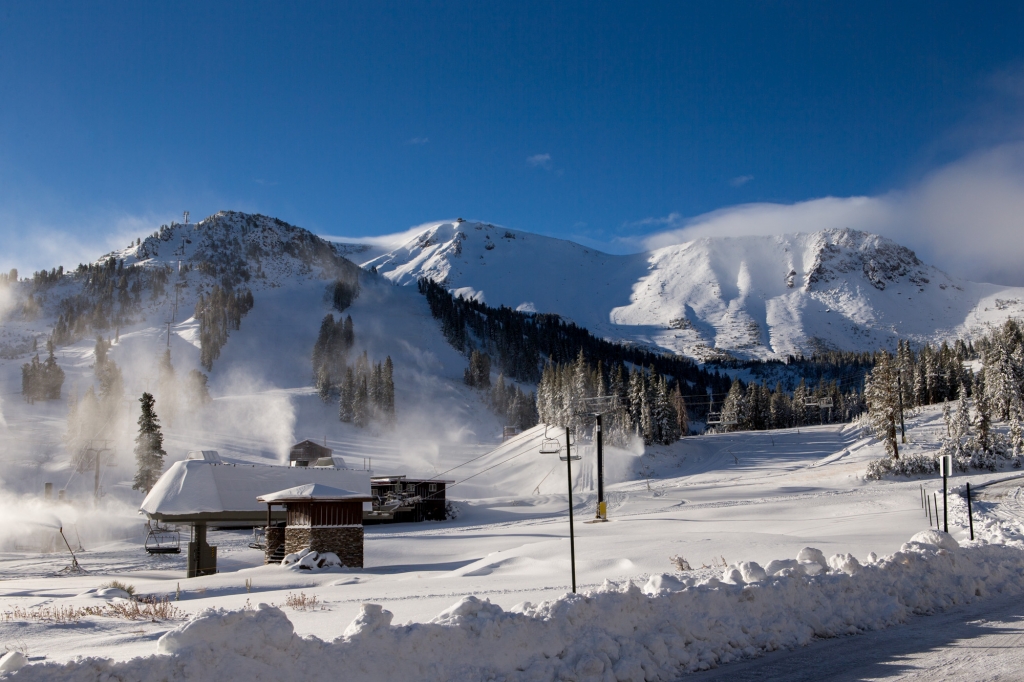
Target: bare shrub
680, 563
301, 601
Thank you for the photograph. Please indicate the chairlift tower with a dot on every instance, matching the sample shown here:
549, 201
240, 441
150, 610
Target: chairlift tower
186, 217
596, 407
98, 453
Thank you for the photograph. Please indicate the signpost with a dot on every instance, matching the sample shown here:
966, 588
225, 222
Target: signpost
946, 469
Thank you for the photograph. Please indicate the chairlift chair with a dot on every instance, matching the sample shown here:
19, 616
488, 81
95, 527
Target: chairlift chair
163, 540
729, 420
811, 402
714, 418
551, 446
825, 402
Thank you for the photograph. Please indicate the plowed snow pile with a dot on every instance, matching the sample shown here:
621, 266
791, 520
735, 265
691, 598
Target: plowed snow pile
617, 632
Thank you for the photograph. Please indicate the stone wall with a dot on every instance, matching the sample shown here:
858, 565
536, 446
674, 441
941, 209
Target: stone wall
345, 541
274, 537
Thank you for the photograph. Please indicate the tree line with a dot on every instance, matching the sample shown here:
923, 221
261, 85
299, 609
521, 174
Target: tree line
42, 380
520, 344
365, 390
220, 311
906, 380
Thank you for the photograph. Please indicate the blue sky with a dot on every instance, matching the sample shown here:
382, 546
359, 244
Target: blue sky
601, 122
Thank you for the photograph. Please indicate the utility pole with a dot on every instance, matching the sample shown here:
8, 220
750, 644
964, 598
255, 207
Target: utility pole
572, 535
899, 383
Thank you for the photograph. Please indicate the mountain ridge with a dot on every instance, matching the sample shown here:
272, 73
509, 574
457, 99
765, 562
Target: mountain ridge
763, 297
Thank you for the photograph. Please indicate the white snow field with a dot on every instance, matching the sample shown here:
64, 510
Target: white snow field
485, 596
748, 297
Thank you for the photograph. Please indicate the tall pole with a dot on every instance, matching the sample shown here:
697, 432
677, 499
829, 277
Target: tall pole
572, 535
602, 510
899, 382
945, 501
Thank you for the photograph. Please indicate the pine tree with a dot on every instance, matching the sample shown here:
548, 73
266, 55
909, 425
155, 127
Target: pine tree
323, 384
346, 411
882, 393
361, 404
197, 394
735, 406
149, 450
682, 415
388, 391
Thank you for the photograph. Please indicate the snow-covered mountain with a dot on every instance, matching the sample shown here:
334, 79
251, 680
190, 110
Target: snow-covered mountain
746, 297
261, 383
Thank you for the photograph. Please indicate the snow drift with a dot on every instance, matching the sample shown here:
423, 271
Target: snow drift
617, 632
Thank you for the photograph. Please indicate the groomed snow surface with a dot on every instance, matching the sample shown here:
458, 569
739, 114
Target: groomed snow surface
792, 506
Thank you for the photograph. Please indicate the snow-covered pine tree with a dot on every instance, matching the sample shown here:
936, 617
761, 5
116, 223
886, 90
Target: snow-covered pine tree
637, 400
500, 396
666, 425
361, 404
735, 406
323, 383
882, 394
682, 414
149, 450
388, 391
1016, 433
780, 409
346, 411
982, 417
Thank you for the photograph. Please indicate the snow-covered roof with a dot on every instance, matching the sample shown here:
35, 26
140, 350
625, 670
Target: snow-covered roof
313, 491
198, 491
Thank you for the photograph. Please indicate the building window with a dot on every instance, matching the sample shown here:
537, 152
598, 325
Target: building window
432, 487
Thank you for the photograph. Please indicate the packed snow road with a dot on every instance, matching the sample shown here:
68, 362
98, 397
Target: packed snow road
983, 641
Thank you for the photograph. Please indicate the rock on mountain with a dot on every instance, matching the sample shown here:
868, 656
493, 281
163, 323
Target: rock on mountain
746, 297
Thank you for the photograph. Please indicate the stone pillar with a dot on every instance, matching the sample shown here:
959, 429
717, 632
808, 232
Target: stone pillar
296, 538
274, 537
346, 542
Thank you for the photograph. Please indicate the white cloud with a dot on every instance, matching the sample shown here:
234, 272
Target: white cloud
540, 161
966, 217
38, 243
741, 180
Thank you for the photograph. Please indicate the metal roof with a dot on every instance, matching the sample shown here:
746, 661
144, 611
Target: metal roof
197, 491
314, 491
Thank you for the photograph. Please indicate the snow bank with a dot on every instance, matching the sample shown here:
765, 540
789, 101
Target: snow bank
617, 632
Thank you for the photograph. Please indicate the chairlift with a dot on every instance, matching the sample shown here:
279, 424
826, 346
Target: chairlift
163, 540
729, 420
549, 446
811, 402
714, 418
825, 402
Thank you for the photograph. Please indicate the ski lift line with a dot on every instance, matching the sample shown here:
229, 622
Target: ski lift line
470, 461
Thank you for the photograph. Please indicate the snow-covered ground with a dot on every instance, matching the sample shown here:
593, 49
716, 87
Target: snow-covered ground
716, 501
713, 500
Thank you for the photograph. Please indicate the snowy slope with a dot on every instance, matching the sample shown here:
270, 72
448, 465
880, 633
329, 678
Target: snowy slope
263, 399
749, 297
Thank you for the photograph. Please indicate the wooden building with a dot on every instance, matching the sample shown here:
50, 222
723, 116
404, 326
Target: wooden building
398, 499
307, 453
320, 517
